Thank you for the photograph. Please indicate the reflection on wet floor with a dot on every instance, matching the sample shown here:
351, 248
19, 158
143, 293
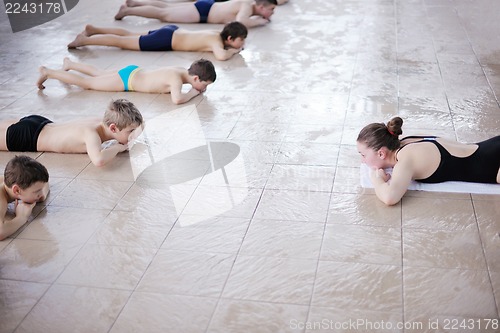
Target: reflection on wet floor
242, 211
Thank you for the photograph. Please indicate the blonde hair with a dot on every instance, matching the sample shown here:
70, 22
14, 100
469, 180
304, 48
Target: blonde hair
122, 113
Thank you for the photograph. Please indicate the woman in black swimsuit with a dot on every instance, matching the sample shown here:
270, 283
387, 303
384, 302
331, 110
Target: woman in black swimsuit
427, 159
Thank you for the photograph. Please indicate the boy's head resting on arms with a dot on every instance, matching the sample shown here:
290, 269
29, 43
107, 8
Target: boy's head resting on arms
375, 136
203, 72
234, 35
26, 178
265, 8
122, 117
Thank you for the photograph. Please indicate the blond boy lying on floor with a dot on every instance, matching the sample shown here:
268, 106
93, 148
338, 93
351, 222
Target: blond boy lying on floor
122, 122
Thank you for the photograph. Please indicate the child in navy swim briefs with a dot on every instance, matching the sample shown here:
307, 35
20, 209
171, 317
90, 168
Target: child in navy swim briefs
224, 44
250, 13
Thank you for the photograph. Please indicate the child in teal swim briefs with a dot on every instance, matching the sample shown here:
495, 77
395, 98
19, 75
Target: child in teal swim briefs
200, 74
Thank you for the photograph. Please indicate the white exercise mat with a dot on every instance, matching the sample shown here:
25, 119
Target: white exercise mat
454, 187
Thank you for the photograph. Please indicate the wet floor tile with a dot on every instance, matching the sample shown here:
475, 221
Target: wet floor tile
107, 267
239, 174
271, 279
284, 239
65, 165
134, 229
362, 209
313, 133
308, 153
358, 287
166, 199
187, 273
93, 309
443, 248
64, 224
363, 244
82, 193
36, 260
223, 200
495, 281
347, 180
201, 233
149, 309
18, 298
437, 214
233, 316
301, 177
448, 291
293, 205
489, 226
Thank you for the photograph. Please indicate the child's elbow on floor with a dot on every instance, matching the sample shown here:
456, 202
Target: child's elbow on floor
98, 163
390, 201
177, 101
2, 233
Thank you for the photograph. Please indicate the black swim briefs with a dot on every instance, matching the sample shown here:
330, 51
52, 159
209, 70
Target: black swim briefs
23, 135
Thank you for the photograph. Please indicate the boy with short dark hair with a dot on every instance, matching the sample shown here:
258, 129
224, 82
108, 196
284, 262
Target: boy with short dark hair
132, 78
223, 44
25, 181
250, 13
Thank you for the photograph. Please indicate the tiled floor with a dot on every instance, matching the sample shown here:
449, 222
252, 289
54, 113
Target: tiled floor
241, 211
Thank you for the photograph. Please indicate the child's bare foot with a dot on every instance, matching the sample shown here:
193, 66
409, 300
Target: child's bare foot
132, 3
90, 30
77, 42
121, 12
43, 77
66, 64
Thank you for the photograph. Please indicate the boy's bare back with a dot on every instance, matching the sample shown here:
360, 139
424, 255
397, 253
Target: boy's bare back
198, 41
225, 12
70, 137
158, 80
